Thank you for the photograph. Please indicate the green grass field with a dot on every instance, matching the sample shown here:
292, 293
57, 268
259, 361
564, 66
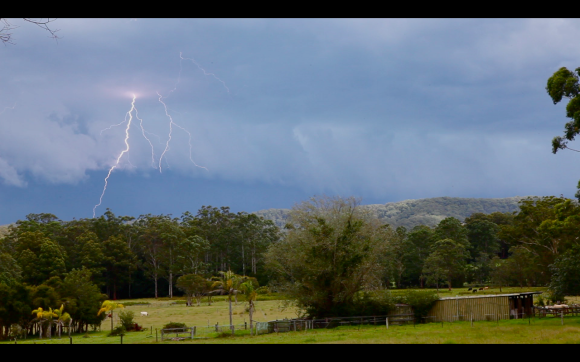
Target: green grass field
534, 331
162, 311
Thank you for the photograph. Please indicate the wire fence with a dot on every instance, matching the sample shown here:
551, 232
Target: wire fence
180, 334
295, 325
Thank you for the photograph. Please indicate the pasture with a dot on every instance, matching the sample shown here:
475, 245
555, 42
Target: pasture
523, 331
163, 311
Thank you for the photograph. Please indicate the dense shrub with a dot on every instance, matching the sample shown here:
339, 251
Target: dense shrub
118, 331
263, 290
421, 301
16, 331
172, 325
126, 317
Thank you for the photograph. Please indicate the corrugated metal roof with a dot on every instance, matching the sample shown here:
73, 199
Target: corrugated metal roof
491, 295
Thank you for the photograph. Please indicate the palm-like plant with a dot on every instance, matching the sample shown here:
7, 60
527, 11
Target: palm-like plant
251, 296
43, 316
62, 319
110, 306
228, 282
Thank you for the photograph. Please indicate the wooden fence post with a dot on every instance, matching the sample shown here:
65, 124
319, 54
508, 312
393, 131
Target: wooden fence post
387, 322
156, 336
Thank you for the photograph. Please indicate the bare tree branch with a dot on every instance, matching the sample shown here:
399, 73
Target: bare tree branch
6, 28
571, 149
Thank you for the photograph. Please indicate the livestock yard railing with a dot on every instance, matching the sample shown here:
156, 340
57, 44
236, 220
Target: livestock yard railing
556, 311
179, 334
288, 325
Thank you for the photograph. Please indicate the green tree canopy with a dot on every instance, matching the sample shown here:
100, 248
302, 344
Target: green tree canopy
194, 286
10, 271
452, 228
564, 83
332, 251
546, 227
82, 298
446, 262
566, 274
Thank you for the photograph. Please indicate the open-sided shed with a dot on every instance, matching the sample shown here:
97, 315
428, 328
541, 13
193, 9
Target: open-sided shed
483, 307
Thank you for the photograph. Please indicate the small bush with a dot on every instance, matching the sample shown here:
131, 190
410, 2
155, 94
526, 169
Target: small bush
119, 331
16, 331
172, 325
86, 335
126, 317
263, 291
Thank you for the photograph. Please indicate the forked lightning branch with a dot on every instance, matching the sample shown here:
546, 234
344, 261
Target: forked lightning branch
134, 113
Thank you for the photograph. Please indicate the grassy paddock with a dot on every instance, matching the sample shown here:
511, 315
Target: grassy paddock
523, 331
547, 330
163, 311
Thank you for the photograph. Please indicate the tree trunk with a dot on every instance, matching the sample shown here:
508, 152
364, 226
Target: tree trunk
170, 285
251, 321
112, 317
231, 320
155, 277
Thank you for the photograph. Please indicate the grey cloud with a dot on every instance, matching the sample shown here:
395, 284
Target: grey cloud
9, 175
380, 108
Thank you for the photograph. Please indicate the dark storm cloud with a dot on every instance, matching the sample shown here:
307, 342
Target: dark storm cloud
381, 108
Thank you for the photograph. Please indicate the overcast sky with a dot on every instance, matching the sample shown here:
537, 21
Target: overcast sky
279, 110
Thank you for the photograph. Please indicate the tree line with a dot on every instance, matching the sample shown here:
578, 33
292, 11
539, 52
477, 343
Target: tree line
335, 255
42, 258
331, 258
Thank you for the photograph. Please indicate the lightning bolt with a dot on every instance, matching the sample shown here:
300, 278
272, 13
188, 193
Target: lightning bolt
111, 127
130, 115
171, 124
203, 70
129, 119
145, 136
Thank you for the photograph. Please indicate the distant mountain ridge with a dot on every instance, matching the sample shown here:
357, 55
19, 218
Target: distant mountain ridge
410, 213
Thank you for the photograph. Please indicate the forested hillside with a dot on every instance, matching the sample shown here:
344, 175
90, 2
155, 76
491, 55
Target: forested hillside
410, 213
